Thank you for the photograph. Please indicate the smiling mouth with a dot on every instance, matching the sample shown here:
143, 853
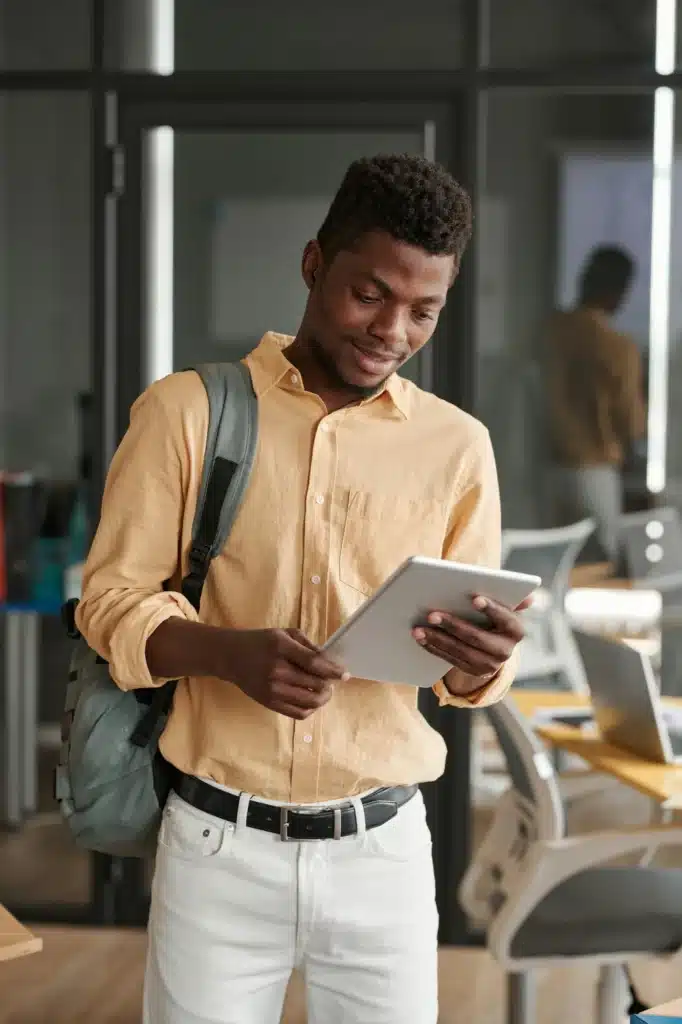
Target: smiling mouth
373, 362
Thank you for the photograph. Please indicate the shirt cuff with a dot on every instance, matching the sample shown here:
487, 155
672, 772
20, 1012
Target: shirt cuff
489, 693
128, 648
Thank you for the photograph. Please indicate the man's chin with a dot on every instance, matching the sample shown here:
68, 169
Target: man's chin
363, 388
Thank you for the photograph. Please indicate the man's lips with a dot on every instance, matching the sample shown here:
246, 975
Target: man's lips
372, 361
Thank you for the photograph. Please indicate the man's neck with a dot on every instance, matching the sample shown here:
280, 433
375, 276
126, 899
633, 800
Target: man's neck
598, 312
316, 378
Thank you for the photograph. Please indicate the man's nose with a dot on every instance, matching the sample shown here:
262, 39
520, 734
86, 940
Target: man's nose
389, 327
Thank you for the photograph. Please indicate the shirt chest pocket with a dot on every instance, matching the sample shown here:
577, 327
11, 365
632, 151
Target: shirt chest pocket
381, 531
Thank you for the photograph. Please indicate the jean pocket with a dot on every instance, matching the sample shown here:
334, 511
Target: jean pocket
188, 833
405, 837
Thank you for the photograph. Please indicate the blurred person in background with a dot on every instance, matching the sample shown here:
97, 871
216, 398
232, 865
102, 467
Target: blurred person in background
595, 398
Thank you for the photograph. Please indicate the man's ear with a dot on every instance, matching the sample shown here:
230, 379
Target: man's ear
311, 266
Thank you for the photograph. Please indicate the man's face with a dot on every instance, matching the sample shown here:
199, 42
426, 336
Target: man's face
373, 307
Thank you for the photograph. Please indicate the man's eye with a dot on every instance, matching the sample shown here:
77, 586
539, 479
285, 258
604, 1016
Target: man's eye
364, 297
423, 315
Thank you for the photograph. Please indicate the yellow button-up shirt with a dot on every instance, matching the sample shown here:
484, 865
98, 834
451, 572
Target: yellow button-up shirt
335, 503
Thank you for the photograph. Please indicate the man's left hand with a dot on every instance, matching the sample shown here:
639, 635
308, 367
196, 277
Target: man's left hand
479, 651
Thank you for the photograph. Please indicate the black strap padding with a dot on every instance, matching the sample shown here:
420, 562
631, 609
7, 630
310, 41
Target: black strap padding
152, 720
219, 482
201, 552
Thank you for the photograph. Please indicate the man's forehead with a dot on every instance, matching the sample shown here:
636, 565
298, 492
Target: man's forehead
402, 266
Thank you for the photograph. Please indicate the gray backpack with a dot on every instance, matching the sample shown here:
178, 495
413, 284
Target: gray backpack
111, 781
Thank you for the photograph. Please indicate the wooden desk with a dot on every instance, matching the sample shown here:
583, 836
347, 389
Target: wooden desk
529, 702
598, 574
672, 1010
660, 782
15, 939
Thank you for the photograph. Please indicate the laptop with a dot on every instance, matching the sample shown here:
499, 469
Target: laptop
626, 704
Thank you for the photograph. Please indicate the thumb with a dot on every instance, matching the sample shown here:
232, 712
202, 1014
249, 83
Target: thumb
302, 639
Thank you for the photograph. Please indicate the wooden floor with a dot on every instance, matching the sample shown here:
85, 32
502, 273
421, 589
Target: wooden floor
95, 977
86, 976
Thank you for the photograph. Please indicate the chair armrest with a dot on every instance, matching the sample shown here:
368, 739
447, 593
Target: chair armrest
552, 862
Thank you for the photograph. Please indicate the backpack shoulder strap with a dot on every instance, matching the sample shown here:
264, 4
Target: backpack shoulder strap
228, 460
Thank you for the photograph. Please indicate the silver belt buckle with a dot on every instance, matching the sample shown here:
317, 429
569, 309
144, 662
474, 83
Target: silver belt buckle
284, 827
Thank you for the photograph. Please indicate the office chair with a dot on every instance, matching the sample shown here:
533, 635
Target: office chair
543, 897
549, 651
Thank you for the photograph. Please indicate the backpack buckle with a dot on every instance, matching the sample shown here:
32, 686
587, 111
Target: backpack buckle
199, 556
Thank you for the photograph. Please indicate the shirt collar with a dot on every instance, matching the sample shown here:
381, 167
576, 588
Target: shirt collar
269, 367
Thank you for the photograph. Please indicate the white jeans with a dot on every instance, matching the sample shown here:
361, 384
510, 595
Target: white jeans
234, 910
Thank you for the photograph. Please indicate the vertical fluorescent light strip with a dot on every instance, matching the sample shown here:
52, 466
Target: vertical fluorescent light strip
666, 39
162, 36
160, 208
661, 220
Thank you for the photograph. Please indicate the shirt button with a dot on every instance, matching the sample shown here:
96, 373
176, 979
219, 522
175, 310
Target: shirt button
293, 378
315, 579
307, 738
319, 498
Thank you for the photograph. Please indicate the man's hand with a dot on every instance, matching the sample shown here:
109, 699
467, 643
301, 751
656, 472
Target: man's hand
479, 651
281, 669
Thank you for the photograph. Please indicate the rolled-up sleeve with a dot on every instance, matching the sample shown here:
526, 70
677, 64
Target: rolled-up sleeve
475, 538
137, 545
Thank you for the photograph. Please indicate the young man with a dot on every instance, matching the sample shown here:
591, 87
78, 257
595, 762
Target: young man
595, 398
356, 470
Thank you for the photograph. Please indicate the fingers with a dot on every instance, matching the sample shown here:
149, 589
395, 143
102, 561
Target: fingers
460, 655
298, 650
506, 625
447, 632
300, 694
505, 620
476, 650
299, 636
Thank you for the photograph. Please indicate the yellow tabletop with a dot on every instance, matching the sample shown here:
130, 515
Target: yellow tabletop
15, 939
673, 1009
597, 574
529, 702
660, 782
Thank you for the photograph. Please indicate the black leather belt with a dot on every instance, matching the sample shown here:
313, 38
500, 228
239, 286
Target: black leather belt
290, 824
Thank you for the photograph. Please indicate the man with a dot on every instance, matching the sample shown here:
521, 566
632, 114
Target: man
595, 394
356, 469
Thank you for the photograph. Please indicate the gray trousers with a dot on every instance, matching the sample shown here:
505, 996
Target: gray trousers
595, 492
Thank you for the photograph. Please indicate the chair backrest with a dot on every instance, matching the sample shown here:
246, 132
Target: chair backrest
550, 554
651, 544
530, 769
530, 811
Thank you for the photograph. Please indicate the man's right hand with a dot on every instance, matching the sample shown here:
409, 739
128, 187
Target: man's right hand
281, 669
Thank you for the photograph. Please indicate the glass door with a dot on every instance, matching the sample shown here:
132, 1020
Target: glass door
219, 202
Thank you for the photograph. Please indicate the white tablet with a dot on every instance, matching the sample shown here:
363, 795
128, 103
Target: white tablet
376, 642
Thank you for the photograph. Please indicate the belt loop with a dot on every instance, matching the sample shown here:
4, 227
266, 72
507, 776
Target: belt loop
242, 810
360, 822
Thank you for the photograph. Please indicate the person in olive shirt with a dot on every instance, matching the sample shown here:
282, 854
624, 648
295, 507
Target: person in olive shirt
595, 398
296, 835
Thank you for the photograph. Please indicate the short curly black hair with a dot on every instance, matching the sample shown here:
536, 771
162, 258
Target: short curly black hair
413, 199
